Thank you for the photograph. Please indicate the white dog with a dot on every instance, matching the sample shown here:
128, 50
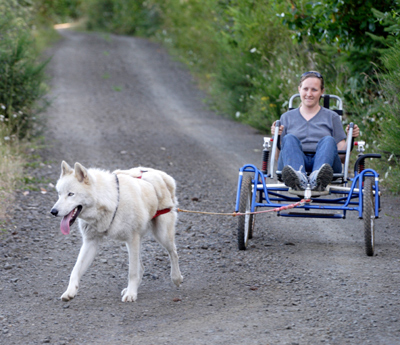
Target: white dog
123, 205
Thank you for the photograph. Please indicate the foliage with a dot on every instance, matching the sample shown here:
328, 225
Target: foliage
57, 11
241, 52
258, 67
21, 89
342, 24
21, 76
122, 16
391, 85
391, 23
385, 118
350, 35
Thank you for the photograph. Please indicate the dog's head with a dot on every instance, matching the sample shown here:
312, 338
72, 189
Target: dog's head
74, 195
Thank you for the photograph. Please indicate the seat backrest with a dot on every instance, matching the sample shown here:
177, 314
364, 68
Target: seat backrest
326, 102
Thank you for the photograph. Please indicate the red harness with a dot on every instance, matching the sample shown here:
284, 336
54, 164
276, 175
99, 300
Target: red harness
159, 212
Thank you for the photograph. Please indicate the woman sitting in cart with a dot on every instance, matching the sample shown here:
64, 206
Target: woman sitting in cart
310, 139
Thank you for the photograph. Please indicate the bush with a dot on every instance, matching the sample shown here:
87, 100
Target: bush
21, 76
389, 142
57, 11
122, 16
21, 87
241, 51
391, 85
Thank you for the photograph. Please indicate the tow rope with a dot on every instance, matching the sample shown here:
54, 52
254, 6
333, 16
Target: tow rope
234, 214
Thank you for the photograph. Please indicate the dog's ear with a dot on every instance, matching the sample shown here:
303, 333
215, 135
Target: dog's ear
81, 173
65, 169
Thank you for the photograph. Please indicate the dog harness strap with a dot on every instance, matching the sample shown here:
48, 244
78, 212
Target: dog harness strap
116, 209
160, 212
141, 171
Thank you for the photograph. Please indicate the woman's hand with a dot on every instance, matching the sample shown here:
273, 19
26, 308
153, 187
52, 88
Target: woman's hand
356, 130
273, 129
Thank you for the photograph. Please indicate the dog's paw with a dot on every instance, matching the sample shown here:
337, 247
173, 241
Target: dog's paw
67, 297
128, 297
177, 280
69, 294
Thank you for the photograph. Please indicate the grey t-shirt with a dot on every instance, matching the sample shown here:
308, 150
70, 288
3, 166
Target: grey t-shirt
325, 122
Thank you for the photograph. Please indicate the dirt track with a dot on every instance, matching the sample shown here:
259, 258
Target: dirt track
120, 102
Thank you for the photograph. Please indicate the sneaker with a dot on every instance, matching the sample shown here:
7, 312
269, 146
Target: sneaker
320, 178
294, 179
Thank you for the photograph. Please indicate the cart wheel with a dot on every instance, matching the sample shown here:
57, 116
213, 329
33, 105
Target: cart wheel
369, 216
245, 223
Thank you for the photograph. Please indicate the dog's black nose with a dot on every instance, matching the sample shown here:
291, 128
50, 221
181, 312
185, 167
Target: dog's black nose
54, 211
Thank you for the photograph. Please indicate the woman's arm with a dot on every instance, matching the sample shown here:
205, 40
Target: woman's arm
342, 145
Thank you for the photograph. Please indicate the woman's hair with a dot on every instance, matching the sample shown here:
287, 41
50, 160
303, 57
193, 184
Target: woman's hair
312, 74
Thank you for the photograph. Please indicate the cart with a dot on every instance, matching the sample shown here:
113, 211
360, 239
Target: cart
356, 190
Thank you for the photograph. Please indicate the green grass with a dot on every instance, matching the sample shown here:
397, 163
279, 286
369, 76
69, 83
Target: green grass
33, 183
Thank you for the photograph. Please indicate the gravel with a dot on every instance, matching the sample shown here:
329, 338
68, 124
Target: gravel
120, 102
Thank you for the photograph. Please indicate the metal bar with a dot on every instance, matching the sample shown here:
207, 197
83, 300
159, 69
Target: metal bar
348, 151
274, 148
339, 100
377, 197
238, 190
292, 99
334, 216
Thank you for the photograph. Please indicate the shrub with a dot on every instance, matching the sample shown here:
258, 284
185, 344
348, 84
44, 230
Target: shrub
241, 51
122, 16
21, 76
57, 11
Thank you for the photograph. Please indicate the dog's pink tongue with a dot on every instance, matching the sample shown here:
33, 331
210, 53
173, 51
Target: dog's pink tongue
64, 226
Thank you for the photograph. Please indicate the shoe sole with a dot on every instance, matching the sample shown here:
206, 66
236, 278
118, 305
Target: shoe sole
290, 178
324, 177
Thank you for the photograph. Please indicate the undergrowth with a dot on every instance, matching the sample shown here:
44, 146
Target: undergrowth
22, 89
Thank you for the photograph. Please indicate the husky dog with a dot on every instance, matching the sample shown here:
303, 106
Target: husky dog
122, 205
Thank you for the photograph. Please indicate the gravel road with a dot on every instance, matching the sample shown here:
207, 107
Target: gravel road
120, 102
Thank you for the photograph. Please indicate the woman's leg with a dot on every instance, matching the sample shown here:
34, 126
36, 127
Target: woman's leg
291, 153
292, 163
327, 153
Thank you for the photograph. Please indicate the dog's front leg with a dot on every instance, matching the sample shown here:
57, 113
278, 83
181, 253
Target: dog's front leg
135, 270
85, 258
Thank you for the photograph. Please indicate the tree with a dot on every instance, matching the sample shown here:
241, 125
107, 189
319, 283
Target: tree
343, 25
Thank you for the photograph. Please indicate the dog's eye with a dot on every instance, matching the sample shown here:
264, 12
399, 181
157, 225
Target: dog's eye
71, 194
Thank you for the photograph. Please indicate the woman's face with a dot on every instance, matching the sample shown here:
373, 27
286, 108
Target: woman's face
310, 92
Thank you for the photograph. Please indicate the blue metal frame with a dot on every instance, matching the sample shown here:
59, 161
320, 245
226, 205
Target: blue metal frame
268, 196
